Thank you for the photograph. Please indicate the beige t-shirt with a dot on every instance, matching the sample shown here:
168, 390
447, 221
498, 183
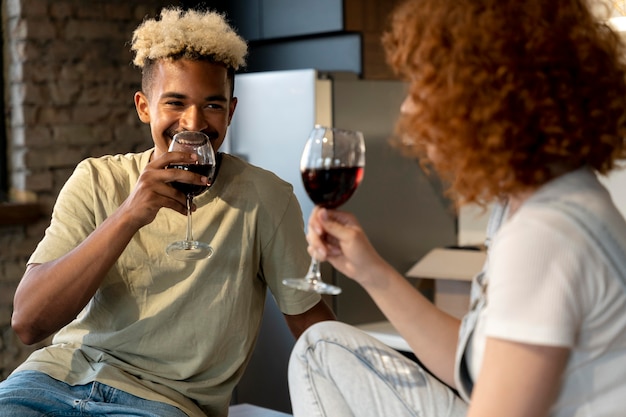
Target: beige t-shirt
167, 330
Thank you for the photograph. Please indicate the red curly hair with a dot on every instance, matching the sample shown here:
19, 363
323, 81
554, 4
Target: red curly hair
509, 93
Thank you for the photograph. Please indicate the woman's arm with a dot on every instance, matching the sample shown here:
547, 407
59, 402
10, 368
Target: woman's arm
338, 238
518, 379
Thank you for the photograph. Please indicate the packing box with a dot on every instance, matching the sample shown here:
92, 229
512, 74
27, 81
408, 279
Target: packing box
453, 270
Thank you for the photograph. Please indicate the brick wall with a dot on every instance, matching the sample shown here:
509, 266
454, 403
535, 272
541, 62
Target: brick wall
69, 94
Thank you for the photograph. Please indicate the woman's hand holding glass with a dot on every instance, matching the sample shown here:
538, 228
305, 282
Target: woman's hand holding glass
337, 237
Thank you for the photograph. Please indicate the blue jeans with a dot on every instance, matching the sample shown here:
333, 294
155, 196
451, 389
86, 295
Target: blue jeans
336, 370
35, 394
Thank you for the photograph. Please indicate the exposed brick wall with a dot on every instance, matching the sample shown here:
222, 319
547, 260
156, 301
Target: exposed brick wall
69, 90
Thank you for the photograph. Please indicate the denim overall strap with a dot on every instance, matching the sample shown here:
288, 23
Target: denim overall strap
478, 299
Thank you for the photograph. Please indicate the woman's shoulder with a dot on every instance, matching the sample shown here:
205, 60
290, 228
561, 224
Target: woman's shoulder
573, 213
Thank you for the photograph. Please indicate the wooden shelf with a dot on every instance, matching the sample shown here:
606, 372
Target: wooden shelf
12, 214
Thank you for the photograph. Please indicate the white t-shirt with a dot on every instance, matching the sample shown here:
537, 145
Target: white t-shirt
548, 284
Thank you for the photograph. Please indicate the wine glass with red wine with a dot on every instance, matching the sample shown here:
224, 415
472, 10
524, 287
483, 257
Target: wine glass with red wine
198, 143
332, 167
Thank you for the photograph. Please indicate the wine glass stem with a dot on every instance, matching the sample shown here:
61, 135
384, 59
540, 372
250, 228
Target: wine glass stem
314, 274
189, 232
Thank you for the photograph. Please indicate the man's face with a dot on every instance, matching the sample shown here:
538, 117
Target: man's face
186, 95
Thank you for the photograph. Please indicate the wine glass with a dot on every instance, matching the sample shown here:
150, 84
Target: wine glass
198, 143
332, 167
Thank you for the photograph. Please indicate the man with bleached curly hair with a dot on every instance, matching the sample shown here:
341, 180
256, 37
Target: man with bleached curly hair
137, 332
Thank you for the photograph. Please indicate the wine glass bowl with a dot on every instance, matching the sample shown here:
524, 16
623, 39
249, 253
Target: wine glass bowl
332, 167
198, 143
331, 188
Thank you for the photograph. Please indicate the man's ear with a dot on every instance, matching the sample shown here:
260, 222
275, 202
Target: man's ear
142, 107
231, 110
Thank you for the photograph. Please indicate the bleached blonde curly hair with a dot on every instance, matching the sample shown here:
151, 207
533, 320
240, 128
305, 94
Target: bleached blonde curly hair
194, 33
191, 34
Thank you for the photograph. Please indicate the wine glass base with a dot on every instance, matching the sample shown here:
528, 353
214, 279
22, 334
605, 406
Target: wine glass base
189, 250
312, 285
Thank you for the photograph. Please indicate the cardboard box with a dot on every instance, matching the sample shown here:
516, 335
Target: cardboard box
452, 270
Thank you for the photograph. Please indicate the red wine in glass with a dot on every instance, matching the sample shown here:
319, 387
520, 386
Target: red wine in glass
191, 249
332, 167
193, 189
330, 188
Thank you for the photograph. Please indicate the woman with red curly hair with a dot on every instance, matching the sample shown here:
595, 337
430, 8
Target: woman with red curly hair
519, 104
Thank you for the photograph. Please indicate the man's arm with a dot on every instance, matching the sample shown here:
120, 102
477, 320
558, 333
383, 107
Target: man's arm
300, 322
51, 294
